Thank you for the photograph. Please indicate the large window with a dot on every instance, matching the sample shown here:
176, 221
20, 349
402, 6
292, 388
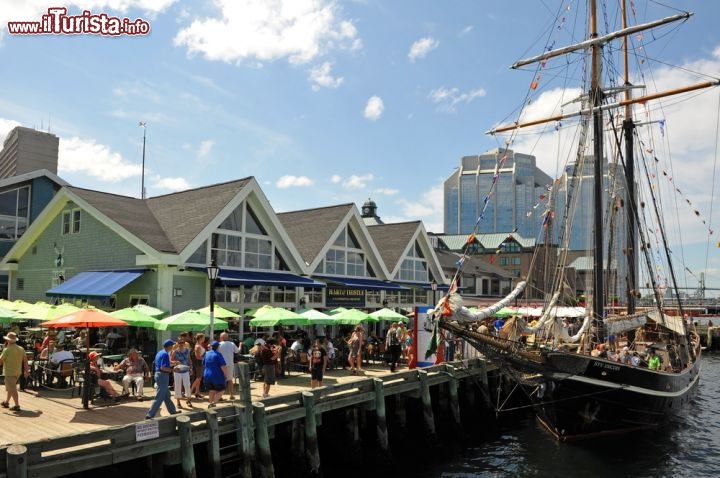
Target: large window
345, 257
14, 212
414, 266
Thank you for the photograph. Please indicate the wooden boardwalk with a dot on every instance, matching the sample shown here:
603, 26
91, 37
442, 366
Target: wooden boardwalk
48, 413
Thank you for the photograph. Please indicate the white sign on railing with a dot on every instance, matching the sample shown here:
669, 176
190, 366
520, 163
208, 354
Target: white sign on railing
147, 430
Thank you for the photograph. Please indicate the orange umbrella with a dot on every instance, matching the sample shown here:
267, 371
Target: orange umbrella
86, 318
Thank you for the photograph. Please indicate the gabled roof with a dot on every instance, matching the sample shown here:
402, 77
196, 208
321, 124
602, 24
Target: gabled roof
393, 239
472, 265
456, 242
183, 215
311, 229
20, 178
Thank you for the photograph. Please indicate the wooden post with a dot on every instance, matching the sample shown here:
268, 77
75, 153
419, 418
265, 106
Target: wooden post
312, 451
247, 434
380, 417
297, 444
428, 416
264, 457
213, 443
17, 461
186, 446
454, 401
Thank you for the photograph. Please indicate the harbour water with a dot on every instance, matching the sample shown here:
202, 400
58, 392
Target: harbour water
687, 447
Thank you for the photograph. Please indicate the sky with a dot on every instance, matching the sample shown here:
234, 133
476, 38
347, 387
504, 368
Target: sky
327, 102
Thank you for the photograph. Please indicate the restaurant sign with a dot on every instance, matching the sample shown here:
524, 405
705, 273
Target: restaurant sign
344, 297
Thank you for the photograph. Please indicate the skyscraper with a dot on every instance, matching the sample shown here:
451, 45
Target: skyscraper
519, 186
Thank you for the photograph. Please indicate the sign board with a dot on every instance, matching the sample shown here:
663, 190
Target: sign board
147, 430
344, 297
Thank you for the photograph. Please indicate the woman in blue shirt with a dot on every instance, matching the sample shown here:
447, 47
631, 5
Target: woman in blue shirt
215, 374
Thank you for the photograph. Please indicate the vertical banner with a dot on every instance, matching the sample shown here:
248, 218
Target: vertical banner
423, 331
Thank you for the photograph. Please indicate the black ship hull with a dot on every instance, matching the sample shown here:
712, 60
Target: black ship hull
585, 397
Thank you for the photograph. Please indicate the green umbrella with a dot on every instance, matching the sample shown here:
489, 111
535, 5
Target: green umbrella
134, 317
8, 316
315, 317
505, 312
190, 320
44, 311
148, 310
353, 317
221, 312
278, 316
337, 310
389, 314
258, 311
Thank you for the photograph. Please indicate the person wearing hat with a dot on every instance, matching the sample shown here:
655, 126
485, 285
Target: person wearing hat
163, 369
214, 374
15, 364
96, 375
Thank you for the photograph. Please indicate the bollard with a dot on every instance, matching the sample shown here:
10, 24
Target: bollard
312, 451
262, 440
247, 438
213, 443
17, 461
380, 417
186, 446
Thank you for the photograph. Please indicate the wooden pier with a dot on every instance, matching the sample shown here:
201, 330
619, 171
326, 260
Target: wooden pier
243, 438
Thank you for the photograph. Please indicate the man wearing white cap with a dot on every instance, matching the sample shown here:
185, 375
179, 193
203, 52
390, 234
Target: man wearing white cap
163, 369
14, 362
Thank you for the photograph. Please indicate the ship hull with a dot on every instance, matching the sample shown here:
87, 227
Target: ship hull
584, 397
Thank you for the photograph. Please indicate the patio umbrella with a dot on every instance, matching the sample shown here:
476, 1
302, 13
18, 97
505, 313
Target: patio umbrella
44, 311
389, 314
258, 311
148, 310
7, 316
134, 317
354, 317
190, 320
85, 318
278, 316
220, 312
337, 310
315, 317
505, 312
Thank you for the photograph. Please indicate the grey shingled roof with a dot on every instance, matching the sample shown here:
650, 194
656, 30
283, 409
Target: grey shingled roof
310, 229
392, 240
166, 223
456, 242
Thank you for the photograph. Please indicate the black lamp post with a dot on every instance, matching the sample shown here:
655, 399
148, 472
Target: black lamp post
433, 286
212, 271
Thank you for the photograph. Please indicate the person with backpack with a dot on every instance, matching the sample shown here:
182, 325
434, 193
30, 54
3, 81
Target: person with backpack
393, 345
269, 352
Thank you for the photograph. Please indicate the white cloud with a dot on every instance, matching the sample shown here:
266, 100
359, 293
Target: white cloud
336, 179
466, 30
5, 126
258, 30
289, 181
429, 209
205, 148
387, 191
320, 77
374, 108
449, 98
171, 184
32, 10
96, 160
357, 182
422, 47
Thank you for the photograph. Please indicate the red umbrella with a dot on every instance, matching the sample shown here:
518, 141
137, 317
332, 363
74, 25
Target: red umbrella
86, 318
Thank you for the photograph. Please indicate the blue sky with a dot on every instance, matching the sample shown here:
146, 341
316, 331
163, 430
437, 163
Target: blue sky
324, 102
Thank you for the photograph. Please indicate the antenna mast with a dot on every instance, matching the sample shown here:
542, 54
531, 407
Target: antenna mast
143, 125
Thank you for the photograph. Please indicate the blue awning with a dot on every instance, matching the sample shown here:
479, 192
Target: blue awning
271, 278
426, 286
363, 283
95, 284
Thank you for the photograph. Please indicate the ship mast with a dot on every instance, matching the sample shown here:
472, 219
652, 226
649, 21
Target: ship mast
596, 97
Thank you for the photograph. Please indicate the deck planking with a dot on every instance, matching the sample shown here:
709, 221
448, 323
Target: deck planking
49, 413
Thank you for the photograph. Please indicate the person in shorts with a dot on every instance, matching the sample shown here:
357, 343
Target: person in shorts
15, 364
318, 364
215, 374
269, 355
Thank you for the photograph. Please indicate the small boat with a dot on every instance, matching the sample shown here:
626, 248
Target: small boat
621, 367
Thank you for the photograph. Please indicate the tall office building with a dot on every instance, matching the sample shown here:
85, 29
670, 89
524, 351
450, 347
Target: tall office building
25, 150
510, 207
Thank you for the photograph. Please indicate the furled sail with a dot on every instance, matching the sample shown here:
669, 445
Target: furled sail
462, 313
616, 325
673, 323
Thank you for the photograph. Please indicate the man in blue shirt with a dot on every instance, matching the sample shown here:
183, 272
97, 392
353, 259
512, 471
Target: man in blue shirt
163, 369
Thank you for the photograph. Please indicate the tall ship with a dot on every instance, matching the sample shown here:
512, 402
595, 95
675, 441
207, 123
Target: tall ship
592, 362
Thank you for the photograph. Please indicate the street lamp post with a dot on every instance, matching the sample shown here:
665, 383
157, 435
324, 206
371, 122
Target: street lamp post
433, 286
212, 271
